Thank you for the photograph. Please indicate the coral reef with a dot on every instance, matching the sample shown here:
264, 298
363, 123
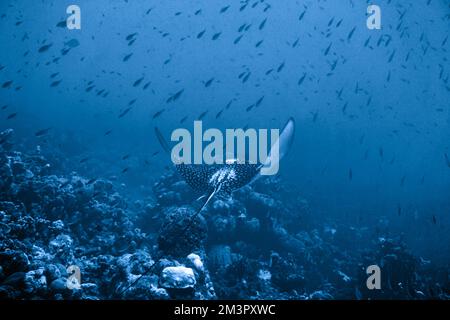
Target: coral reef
254, 245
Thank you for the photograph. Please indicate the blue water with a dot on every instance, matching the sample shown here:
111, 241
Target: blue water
372, 116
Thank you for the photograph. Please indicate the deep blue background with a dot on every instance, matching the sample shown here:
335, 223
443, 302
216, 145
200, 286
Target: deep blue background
386, 120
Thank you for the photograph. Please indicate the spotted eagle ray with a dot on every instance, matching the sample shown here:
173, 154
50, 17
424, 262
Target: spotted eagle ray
223, 179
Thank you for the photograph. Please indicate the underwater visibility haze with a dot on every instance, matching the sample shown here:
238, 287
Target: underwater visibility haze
92, 207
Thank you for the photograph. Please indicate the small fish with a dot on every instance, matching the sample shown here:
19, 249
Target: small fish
391, 56
209, 82
228, 104
65, 51
12, 116
447, 160
201, 33
42, 132
350, 174
263, 23
55, 83
7, 84
260, 100
146, 85
127, 57
280, 67
402, 181
327, 50
434, 219
62, 24
330, 22
125, 157
84, 160
315, 115
202, 115
242, 27
350, 35
216, 36
301, 15
45, 48
130, 36
107, 133
177, 95
236, 41
125, 170
138, 82
124, 112
224, 9
72, 43
158, 113
245, 79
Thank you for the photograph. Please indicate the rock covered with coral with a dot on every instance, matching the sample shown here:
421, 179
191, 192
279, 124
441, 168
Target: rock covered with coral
65, 236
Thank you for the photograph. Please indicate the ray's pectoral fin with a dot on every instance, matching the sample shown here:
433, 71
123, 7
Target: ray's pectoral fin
281, 146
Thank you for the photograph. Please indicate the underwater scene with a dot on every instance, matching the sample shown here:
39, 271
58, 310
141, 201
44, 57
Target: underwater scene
224, 150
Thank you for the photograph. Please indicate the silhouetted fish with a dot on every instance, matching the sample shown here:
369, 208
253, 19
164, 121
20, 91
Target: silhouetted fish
12, 115
201, 33
447, 160
124, 112
127, 57
216, 36
7, 84
158, 113
72, 43
42, 132
62, 24
45, 48
202, 115
55, 83
209, 82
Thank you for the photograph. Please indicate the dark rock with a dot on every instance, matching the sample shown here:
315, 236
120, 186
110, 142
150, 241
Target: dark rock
181, 234
13, 261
